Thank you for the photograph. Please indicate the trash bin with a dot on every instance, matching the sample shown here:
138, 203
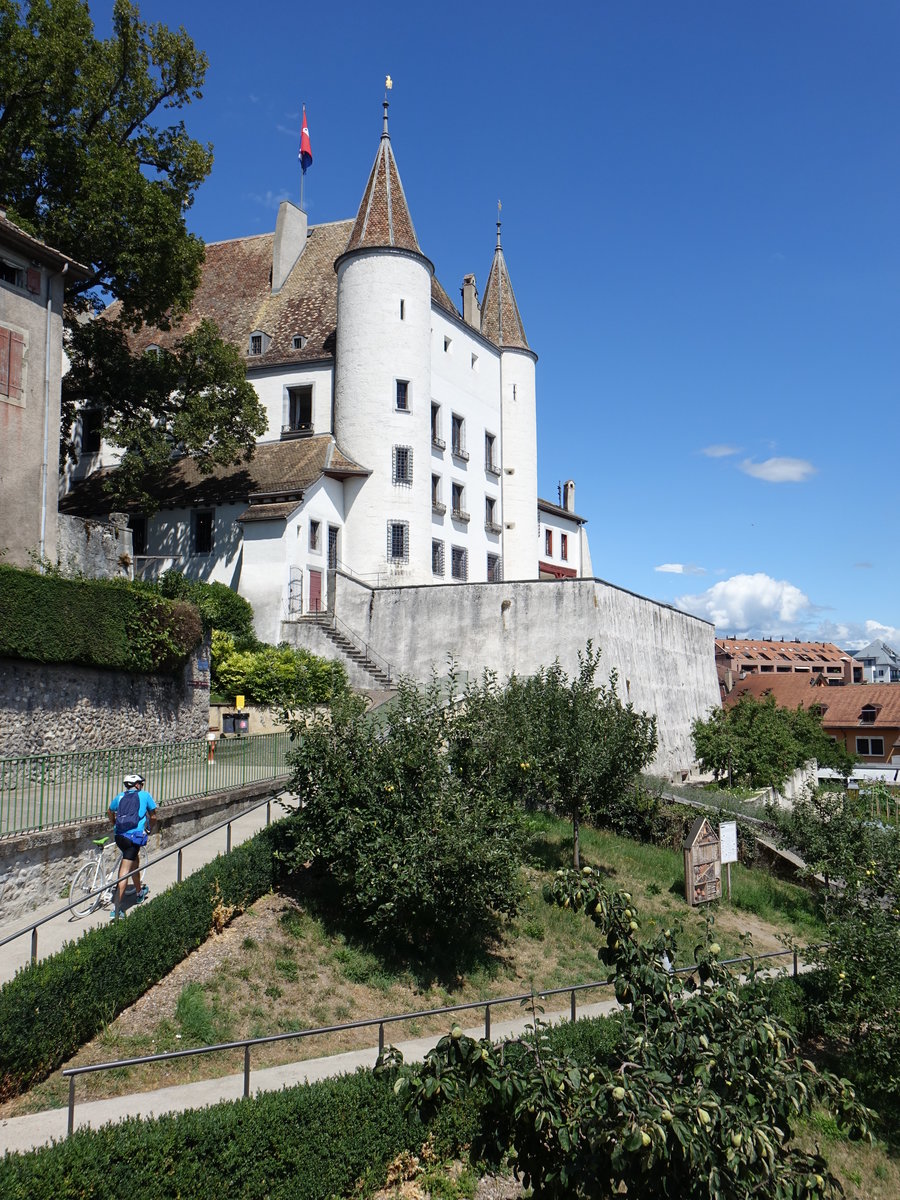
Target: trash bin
228, 722
241, 722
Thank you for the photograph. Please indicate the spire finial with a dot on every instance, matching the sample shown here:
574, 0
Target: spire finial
499, 207
388, 84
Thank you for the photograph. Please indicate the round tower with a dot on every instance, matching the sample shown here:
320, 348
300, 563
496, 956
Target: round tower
382, 399
501, 322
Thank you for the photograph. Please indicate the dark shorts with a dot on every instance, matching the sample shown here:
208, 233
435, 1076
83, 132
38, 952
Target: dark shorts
129, 850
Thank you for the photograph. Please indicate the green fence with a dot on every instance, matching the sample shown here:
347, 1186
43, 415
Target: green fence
54, 789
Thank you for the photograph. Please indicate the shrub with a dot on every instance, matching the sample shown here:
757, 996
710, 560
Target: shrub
93, 622
277, 676
219, 605
51, 1008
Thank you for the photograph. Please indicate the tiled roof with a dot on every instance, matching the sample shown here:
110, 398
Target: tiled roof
766, 650
500, 320
383, 218
276, 468
841, 704
12, 233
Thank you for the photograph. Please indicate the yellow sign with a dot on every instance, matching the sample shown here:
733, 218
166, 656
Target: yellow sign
239, 702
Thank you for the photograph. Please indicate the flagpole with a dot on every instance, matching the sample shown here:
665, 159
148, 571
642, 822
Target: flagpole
302, 172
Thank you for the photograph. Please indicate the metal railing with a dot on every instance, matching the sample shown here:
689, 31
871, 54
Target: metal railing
34, 926
246, 1044
41, 791
329, 619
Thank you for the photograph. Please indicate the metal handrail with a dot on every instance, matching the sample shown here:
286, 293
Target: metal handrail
246, 1043
330, 618
179, 850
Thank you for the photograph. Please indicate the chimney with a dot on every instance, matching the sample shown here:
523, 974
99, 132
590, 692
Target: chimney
290, 240
470, 306
569, 495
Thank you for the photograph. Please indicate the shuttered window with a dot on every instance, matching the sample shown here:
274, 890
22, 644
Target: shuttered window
12, 356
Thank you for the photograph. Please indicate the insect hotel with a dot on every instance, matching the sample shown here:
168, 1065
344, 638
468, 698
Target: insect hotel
702, 863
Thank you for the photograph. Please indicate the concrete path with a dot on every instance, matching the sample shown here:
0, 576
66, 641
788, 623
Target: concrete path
27, 1133
66, 928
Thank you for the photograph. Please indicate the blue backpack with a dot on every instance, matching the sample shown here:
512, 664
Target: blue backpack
128, 814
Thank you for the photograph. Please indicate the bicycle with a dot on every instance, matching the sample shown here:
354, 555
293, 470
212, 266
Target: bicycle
90, 877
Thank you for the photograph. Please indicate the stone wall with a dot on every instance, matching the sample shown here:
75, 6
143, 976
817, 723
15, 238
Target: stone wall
97, 549
50, 708
665, 658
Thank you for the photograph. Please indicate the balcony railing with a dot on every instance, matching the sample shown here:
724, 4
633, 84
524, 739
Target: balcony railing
491, 467
438, 442
300, 429
460, 515
459, 451
438, 507
492, 527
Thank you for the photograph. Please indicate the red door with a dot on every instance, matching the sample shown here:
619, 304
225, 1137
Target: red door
315, 591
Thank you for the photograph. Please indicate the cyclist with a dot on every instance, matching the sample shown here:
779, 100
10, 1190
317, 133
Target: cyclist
133, 812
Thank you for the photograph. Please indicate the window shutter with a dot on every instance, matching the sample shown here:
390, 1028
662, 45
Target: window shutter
4, 362
33, 280
16, 354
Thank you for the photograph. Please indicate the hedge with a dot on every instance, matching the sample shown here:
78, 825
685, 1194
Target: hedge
54, 1006
316, 1141
93, 623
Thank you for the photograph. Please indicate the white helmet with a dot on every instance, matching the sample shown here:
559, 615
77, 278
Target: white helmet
133, 780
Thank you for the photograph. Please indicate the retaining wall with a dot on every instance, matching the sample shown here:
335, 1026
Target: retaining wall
36, 868
48, 708
665, 658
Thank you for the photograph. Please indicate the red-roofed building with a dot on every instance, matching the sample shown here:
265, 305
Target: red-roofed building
738, 658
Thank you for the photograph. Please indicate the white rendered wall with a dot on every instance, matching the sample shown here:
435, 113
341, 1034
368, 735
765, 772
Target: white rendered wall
664, 658
271, 387
558, 526
323, 502
520, 523
376, 346
263, 575
170, 546
470, 389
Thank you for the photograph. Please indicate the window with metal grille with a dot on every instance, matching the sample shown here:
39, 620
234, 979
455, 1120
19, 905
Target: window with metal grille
398, 541
332, 547
402, 398
403, 465
459, 563
437, 557
494, 568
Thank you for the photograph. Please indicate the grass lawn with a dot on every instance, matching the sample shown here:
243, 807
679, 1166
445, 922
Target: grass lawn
282, 966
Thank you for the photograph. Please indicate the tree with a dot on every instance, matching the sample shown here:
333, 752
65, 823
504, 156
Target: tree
280, 677
757, 744
420, 860
698, 1099
91, 164
569, 745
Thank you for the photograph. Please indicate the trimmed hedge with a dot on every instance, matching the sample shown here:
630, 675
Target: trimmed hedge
51, 1008
93, 623
316, 1141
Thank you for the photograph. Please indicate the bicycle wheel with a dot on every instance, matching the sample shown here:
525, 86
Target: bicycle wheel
86, 879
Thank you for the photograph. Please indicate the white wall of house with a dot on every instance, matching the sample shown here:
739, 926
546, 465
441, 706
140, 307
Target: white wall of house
519, 437
563, 554
272, 388
171, 545
323, 504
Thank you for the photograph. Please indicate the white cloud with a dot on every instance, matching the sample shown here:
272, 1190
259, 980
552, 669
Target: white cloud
722, 451
751, 604
779, 470
680, 569
269, 199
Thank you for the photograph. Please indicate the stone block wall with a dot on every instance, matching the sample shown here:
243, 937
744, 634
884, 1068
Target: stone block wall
97, 549
48, 708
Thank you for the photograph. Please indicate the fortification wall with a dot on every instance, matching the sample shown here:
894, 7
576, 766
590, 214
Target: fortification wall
664, 658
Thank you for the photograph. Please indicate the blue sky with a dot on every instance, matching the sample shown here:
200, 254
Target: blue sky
700, 220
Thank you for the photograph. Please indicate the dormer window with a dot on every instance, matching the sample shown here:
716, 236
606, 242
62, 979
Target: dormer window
298, 341
259, 343
868, 715
153, 349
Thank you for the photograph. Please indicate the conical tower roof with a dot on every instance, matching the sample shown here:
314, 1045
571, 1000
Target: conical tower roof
500, 320
383, 218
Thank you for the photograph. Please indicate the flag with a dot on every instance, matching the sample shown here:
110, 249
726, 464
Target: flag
305, 154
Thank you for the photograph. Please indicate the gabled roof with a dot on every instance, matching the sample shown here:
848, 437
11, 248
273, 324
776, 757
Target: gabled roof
557, 510
277, 471
771, 650
500, 319
383, 218
883, 654
841, 705
13, 235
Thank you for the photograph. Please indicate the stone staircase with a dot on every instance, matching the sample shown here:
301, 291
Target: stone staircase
353, 648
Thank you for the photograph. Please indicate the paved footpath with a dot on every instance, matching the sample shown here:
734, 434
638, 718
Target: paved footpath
66, 928
27, 1133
